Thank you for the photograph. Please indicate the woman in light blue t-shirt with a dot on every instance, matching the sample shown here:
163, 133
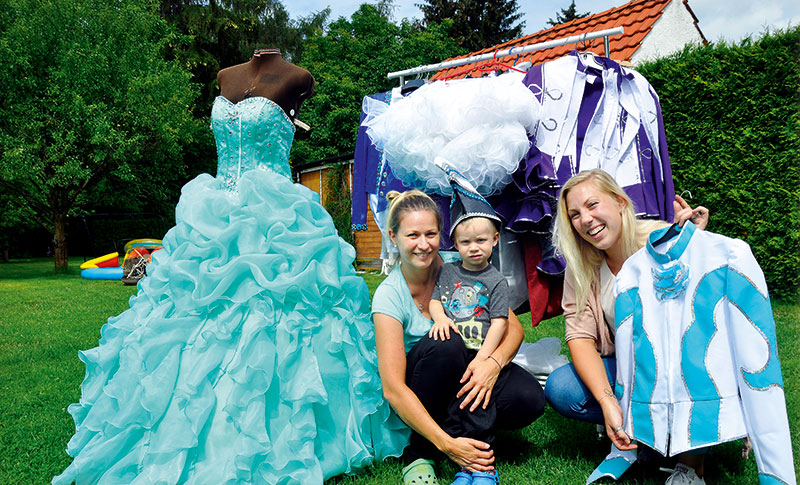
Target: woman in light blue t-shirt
452, 403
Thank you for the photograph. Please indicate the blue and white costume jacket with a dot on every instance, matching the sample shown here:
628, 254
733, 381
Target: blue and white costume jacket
697, 360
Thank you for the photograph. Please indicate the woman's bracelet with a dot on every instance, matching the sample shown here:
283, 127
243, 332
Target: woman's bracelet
496, 362
605, 396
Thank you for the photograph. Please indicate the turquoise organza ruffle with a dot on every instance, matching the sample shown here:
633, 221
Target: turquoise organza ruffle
247, 355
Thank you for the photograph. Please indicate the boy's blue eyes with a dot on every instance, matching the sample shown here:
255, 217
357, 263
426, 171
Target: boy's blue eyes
466, 241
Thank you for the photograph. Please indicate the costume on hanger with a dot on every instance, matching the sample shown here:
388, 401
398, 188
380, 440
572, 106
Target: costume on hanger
576, 116
605, 118
480, 126
371, 174
373, 179
595, 114
544, 290
248, 353
697, 360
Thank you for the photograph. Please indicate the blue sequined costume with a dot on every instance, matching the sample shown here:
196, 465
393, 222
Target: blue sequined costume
248, 354
697, 353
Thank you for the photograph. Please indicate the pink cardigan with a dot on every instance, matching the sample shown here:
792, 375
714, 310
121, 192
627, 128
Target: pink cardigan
590, 323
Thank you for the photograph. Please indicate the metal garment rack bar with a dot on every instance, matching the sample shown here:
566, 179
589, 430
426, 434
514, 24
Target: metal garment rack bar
510, 52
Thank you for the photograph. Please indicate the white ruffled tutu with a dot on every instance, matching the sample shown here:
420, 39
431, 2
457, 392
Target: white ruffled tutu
480, 126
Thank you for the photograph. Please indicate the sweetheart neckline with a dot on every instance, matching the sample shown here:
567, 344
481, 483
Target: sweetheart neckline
269, 101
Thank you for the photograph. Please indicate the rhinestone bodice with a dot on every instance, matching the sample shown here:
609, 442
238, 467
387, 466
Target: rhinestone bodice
254, 133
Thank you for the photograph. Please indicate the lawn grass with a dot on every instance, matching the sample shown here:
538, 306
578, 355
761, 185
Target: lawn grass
46, 318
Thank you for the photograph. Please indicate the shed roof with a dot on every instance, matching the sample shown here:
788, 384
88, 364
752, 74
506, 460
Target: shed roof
637, 17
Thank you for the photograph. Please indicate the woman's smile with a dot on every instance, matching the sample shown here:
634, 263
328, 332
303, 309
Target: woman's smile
417, 237
596, 231
595, 215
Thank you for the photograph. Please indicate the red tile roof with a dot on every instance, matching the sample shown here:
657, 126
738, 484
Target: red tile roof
637, 17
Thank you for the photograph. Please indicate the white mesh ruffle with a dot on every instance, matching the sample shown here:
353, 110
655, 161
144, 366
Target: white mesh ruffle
480, 126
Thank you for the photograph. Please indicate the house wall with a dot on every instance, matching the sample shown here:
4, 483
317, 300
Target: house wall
670, 33
368, 243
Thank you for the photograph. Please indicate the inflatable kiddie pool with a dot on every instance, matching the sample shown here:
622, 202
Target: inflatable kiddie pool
110, 260
102, 273
103, 268
142, 248
107, 267
149, 244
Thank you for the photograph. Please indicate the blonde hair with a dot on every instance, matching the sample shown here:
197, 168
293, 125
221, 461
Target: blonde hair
466, 223
582, 258
400, 204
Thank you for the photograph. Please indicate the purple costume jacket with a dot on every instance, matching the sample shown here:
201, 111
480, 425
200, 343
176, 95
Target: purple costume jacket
602, 116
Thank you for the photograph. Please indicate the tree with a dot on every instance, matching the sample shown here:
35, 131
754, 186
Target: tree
565, 15
350, 61
476, 25
88, 105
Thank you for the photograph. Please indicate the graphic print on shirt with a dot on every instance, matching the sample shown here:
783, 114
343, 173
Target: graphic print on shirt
464, 304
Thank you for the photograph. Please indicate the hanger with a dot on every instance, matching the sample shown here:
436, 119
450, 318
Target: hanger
589, 59
412, 86
671, 232
524, 66
300, 124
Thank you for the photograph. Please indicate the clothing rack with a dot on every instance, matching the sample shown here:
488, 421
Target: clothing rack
511, 51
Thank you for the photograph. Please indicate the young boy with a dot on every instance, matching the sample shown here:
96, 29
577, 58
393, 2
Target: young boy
471, 296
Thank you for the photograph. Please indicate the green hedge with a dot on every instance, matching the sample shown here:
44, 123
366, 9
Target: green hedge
732, 123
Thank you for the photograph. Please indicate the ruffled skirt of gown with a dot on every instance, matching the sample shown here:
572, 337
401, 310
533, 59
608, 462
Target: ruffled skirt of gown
247, 355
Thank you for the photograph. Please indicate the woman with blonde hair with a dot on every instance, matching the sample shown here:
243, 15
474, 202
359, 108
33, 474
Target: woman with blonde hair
596, 230
435, 386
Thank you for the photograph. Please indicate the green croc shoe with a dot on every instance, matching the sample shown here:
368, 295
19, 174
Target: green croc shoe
420, 472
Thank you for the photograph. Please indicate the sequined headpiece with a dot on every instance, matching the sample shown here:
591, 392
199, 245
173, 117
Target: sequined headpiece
466, 202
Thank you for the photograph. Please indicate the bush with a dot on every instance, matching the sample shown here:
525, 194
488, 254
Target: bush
732, 124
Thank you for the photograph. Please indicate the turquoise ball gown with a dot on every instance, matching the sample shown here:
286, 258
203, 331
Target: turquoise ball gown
248, 353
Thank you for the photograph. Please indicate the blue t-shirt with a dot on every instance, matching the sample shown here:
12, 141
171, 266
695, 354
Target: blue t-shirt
393, 298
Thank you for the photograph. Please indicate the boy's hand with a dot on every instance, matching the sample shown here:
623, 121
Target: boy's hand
441, 329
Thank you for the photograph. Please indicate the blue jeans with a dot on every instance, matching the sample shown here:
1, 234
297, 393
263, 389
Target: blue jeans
568, 395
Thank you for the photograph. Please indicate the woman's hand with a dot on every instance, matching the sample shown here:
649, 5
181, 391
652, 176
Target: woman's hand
683, 213
612, 414
474, 455
480, 378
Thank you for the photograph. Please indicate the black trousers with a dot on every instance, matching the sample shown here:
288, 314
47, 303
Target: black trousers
433, 371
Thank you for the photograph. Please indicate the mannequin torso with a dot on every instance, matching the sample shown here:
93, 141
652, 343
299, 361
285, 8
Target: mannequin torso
267, 74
